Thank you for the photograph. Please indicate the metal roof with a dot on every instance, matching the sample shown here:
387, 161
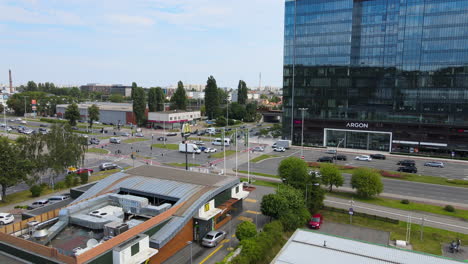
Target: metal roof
305, 245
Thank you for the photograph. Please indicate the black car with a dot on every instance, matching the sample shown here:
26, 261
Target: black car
407, 163
409, 169
162, 138
378, 156
325, 159
200, 133
340, 157
94, 141
43, 125
171, 134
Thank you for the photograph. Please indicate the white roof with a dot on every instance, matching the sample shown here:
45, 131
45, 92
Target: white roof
304, 246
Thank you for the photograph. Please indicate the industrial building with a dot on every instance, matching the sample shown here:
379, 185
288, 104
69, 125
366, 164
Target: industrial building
307, 246
147, 213
172, 119
110, 113
107, 89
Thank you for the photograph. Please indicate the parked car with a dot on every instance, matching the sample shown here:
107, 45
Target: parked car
23, 122
43, 125
84, 170
330, 151
437, 164
316, 221
172, 134
199, 143
213, 238
325, 159
114, 140
57, 198
202, 148
406, 163
279, 149
162, 138
378, 156
210, 150
409, 169
37, 204
6, 218
107, 166
139, 134
94, 141
340, 157
363, 158
259, 149
125, 134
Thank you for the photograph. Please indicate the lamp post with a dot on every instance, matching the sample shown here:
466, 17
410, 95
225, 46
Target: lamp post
191, 252
336, 151
230, 231
302, 132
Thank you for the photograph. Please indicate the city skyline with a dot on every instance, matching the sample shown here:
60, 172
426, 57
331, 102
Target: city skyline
73, 44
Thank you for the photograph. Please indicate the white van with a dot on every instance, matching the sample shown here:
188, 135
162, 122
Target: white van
219, 142
210, 130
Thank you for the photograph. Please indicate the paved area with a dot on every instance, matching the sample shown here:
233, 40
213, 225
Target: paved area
356, 232
461, 255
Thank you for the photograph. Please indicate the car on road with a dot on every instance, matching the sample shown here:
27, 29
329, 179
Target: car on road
6, 218
406, 163
210, 150
378, 156
84, 170
125, 134
363, 158
43, 125
139, 134
340, 157
114, 140
57, 198
94, 141
409, 169
202, 148
23, 122
316, 221
325, 159
330, 151
28, 131
162, 138
259, 149
437, 164
279, 149
200, 133
107, 166
171, 134
213, 238
199, 143
38, 203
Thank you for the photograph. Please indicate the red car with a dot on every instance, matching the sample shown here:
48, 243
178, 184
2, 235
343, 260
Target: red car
316, 221
80, 171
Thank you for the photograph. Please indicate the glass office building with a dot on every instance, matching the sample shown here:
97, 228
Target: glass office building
388, 75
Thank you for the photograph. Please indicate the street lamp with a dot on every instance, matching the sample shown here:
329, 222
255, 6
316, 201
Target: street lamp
302, 132
336, 151
191, 252
230, 231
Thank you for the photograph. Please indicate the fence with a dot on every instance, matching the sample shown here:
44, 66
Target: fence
17, 227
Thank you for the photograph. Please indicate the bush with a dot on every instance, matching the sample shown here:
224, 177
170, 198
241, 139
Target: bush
72, 180
246, 230
36, 190
60, 185
405, 201
84, 178
293, 220
449, 208
391, 175
21, 207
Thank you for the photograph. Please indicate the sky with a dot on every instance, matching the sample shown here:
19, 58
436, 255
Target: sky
151, 42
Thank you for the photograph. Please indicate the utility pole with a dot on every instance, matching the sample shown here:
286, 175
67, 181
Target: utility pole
422, 228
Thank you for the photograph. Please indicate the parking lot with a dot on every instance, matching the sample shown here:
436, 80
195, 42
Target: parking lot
356, 232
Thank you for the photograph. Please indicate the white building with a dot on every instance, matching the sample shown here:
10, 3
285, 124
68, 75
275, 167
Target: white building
173, 119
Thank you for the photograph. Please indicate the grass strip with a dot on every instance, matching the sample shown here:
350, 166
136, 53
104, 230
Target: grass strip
175, 164
133, 140
221, 154
263, 157
167, 146
98, 150
259, 174
262, 183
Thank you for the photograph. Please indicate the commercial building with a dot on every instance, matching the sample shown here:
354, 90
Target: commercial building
306, 245
115, 113
172, 119
146, 213
107, 89
380, 75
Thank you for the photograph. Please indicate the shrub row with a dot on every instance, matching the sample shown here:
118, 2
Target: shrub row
391, 175
52, 121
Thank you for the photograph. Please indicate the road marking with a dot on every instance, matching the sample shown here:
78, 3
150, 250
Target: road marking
253, 212
234, 235
225, 241
243, 218
211, 254
250, 200
293, 153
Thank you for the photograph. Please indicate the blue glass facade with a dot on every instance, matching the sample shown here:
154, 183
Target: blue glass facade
396, 66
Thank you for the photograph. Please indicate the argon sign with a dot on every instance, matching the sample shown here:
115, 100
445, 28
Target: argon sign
357, 125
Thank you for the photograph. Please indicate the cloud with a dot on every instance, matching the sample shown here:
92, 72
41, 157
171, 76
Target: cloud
37, 15
130, 20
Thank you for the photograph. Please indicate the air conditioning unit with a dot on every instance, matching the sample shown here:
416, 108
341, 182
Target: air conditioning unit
114, 229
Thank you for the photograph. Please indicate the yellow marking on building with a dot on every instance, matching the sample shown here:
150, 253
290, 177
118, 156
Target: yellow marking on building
250, 200
211, 254
243, 218
253, 212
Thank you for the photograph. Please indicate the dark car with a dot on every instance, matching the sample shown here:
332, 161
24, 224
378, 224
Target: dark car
162, 138
409, 169
171, 134
340, 157
74, 128
378, 156
325, 159
43, 125
94, 141
406, 163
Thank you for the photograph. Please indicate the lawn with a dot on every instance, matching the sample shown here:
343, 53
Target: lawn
175, 164
263, 157
262, 183
393, 203
199, 139
133, 140
98, 150
167, 146
220, 154
259, 174
431, 243
97, 176
22, 196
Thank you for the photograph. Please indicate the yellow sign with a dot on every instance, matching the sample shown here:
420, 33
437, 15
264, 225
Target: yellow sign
207, 207
186, 128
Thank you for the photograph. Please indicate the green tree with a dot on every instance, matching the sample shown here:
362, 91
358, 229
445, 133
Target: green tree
134, 87
160, 97
139, 105
75, 92
367, 182
2, 108
211, 98
13, 165
237, 111
293, 220
179, 98
294, 172
223, 96
275, 99
72, 114
221, 121
331, 175
93, 114
246, 230
152, 101
294, 197
33, 149
31, 87
116, 98
263, 96
251, 112
273, 205
242, 92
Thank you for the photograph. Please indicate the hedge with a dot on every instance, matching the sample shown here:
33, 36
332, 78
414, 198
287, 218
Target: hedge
375, 217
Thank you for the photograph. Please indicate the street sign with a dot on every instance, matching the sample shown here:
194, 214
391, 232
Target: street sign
351, 211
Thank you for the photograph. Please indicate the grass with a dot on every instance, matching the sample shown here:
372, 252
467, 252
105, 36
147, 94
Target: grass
133, 140
262, 183
221, 154
23, 196
175, 164
98, 150
433, 237
259, 174
263, 157
393, 203
199, 139
167, 146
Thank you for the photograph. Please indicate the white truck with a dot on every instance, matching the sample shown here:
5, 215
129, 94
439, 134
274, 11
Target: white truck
210, 131
282, 144
191, 148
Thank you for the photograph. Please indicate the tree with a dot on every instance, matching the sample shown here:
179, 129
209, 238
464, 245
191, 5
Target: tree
93, 114
31, 87
251, 113
72, 113
237, 111
13, 165
223, 96
75, 92
273, 205
246, 230
221, 121
294, 172
2, 108
134, 86
331, 175
152, 101
263, 96
159, 99
242, 93
33, 149
275, 99
295, 219
179, 98
367, 182
116, 98
139, 105
211, 98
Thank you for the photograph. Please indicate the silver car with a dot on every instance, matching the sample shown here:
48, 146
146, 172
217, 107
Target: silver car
213, 238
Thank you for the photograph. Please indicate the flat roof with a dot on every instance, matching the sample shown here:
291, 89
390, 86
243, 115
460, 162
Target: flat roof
104, 106
306, 245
